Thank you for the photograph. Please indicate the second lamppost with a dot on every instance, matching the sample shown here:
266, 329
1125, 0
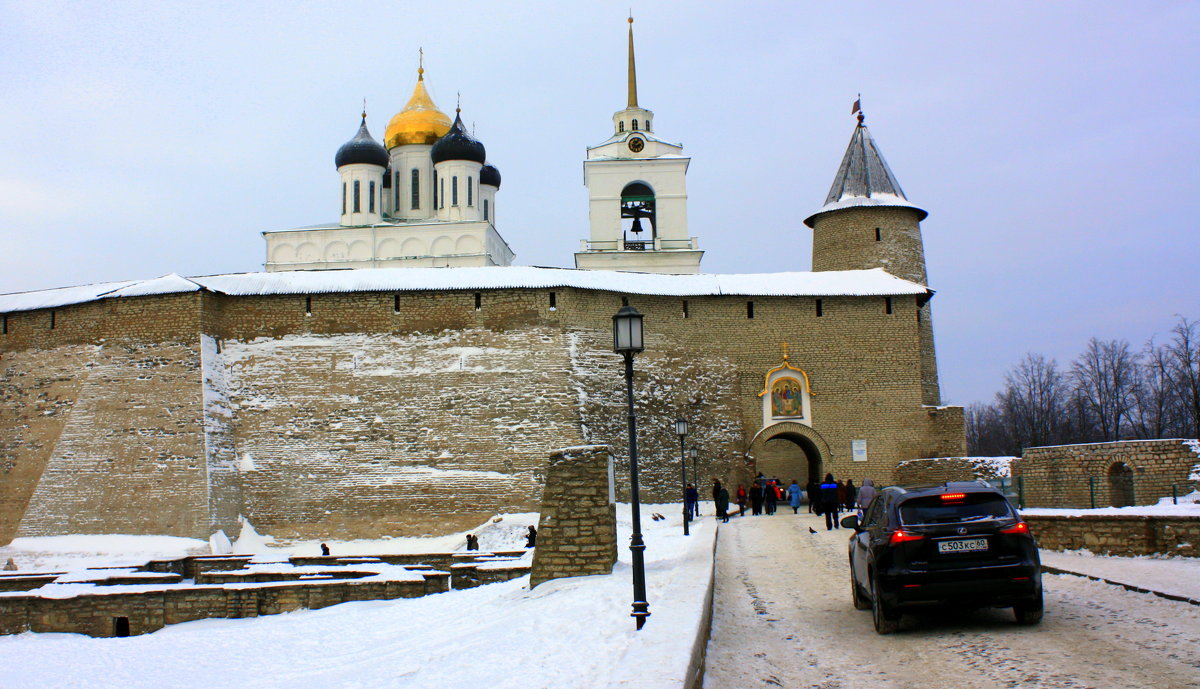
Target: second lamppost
627, 341
681, 429
693, 452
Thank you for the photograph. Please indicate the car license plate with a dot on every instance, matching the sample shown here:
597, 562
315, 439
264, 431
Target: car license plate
964, 545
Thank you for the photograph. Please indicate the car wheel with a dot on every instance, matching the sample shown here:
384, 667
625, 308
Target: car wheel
887, 620
860, 603
1029, 612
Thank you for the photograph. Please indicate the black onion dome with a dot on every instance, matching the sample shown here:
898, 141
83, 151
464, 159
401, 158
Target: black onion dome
363, 148
488, 174
457, 144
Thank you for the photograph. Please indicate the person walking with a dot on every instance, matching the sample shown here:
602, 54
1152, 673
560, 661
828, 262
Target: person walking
741, 500
771, 496
865, 495
813, 489
794, 492
693, 498
717, 489
756, 498
841, 494
851, 494
722, 503
829, 502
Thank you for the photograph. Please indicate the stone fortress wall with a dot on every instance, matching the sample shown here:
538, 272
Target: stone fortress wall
363, 414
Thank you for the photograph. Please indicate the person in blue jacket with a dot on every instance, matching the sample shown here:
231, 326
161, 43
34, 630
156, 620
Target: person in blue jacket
829, 502
794, 491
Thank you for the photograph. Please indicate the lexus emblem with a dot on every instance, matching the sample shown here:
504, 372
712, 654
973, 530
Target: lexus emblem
962, 531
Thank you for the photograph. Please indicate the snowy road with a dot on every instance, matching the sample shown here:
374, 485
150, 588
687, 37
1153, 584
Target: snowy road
783, 618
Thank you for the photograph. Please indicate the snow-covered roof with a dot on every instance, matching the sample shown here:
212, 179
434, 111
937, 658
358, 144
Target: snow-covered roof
874, 282
864, 179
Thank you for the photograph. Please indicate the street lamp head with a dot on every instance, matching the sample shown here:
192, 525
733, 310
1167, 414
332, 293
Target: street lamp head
627, 331
681, 427
693, 452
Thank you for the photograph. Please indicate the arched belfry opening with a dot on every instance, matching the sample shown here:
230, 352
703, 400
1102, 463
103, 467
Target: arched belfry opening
637, 216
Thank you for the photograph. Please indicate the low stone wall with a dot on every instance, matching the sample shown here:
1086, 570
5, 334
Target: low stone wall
1117, 534
578, 524
939, 469
97, 615
1074, 475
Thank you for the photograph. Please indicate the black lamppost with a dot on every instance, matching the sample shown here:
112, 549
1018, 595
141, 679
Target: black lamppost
627, 341
681, 431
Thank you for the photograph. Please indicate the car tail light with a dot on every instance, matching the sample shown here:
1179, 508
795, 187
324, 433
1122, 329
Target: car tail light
954, 496
902, 536
1019, 528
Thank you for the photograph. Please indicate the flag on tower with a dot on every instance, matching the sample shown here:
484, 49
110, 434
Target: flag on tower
857, 106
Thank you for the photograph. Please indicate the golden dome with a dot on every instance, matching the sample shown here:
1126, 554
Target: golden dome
420, 122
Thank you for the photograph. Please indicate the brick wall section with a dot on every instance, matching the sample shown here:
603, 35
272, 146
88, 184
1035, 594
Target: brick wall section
940, 469
1058, 476
147, 612
577, 532
1128, 535
344, 421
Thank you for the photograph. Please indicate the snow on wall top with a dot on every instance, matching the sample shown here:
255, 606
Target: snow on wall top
874, 282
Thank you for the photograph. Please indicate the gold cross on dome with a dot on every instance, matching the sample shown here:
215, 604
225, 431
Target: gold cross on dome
785, 346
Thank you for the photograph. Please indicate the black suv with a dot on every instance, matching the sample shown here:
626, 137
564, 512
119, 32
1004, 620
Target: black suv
951, 543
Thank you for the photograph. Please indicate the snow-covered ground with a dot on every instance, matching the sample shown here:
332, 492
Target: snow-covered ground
1179, 576
566, 633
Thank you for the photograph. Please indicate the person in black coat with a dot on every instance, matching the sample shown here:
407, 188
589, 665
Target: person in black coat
813, 490
829, 502
756, 497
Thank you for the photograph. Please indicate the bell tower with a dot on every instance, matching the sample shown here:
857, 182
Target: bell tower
637, 196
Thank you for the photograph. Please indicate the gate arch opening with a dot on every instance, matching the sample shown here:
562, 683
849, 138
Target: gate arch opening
790, 451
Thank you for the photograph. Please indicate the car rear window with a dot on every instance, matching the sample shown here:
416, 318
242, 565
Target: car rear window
946, 509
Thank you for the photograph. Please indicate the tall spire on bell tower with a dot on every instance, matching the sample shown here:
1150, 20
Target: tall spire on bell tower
632, 70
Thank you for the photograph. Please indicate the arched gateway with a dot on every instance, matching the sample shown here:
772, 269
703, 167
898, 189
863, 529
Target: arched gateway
790, 451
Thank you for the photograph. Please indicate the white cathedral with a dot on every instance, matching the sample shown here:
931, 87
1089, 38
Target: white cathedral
426, 197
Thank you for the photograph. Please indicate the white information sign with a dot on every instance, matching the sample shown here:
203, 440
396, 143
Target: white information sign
858, 450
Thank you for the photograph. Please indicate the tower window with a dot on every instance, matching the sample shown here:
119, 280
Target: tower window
435, 191
820, 311
485, 209
4, 324
749, 309
308, 301
553, 301
478, 301
685, 309
371, 199
454, 190
395, 303
470, 196
647, 125
357, 205
120, 626
621, 126
442, 201
918, 315
415, 202
52, 320
878, 236
635, 127
343, 198
396, 191
887, 304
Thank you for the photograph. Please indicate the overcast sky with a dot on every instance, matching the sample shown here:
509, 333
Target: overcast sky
1053, 144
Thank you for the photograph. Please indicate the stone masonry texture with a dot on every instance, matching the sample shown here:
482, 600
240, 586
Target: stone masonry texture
1072, 475
577, 531
381, 413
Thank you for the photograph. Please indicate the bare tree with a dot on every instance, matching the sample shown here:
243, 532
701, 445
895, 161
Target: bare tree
1103, 379
985, 431
1185, 372
1155, 412
1033, 402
